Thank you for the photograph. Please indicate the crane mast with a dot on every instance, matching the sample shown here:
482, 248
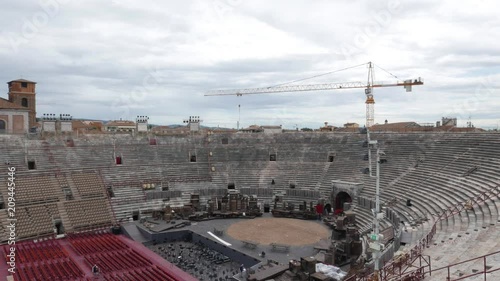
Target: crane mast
370, 101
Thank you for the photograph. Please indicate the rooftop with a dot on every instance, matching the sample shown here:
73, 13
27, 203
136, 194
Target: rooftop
391, 126
22, 80
120, 123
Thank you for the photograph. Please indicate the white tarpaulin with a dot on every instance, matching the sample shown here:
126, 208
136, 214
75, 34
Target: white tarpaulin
331, 271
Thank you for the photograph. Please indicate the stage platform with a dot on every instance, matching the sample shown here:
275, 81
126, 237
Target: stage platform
282, 227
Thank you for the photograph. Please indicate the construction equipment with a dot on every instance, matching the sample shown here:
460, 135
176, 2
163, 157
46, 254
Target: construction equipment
368, 86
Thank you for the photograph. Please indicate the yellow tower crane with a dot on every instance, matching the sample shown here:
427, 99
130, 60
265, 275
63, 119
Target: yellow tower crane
368, 86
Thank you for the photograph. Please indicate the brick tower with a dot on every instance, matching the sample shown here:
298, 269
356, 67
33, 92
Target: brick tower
22, 93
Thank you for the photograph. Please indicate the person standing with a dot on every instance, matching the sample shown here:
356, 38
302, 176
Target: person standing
95, 269
319, 210
242, 270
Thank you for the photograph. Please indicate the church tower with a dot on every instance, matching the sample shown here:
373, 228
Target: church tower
22, 93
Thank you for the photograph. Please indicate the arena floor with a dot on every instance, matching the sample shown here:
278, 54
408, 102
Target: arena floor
269, 230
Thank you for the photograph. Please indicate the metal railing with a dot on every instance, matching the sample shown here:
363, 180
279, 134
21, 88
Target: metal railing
486, 269
404, 265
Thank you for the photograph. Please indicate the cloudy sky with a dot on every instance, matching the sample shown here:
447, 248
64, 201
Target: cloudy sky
123, 58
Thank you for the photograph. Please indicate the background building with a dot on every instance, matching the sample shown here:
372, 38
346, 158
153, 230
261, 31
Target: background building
120, 126
18, 113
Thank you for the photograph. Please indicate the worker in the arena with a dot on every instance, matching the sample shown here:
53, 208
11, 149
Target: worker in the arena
242, 270
95, 269
319, 210
328, 209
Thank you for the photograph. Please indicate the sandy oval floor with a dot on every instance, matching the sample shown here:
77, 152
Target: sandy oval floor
265, 231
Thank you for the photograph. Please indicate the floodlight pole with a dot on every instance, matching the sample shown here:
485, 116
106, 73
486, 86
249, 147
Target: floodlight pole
377, 216
377, 212
239, 117
369, 152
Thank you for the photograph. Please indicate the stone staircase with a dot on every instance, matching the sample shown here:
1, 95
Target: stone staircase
268, 173
323, 174
72, 186
68, 227
4, 235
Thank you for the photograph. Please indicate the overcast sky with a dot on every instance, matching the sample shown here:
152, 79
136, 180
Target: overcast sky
123, 58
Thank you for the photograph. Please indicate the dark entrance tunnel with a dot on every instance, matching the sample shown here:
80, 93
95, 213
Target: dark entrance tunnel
341, 198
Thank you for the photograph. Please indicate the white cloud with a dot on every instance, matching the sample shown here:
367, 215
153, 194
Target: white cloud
87, 55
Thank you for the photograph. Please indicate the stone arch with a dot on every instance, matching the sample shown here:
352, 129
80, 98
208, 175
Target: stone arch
339, 200
344, 192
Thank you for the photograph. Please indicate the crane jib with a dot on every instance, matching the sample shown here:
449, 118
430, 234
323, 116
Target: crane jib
311, 87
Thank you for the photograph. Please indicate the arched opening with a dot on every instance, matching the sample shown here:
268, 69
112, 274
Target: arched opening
3, 125
24, 102
59, 226
135, 215
110, 191
68, 193
70, 143
328, 208
341, 198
